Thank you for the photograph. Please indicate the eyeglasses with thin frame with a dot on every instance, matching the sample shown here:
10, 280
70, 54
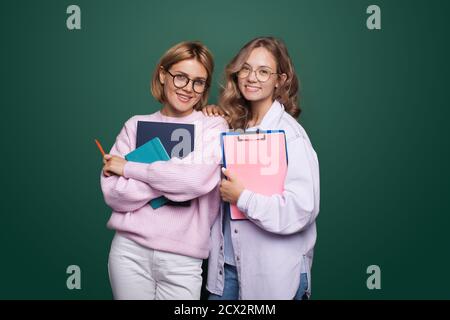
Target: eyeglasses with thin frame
262, 73
181, 80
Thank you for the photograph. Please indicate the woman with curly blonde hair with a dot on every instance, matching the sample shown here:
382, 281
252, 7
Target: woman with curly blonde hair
268, 256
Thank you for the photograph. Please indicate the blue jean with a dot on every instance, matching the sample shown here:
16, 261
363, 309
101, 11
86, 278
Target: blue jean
302, 288
231, 286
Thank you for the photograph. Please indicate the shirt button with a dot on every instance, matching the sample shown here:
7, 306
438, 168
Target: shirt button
220, 272
237, 258
235, 231
221, 248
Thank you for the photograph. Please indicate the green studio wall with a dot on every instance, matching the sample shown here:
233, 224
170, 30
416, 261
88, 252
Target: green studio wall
374, 105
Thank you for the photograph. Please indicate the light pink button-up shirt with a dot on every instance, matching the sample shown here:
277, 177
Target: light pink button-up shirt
276, 244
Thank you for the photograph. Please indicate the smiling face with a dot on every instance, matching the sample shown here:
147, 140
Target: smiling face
263, 62
179, 102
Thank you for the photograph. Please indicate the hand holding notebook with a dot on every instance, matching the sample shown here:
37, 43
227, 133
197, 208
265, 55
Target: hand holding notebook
149, 152
175, 138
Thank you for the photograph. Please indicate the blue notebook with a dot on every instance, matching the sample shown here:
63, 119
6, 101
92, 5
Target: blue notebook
149, 152
178, 141
170, 134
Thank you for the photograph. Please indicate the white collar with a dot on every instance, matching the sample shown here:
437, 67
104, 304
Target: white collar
271, 118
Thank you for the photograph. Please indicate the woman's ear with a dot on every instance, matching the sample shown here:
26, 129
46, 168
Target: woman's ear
162, 74
281, 80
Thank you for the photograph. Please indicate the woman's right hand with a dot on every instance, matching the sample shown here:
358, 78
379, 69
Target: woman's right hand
213, 110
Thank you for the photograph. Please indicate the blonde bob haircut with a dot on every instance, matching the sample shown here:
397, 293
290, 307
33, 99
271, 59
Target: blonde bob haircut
183, 51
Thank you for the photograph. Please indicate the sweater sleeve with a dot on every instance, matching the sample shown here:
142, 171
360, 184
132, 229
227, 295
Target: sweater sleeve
298, 206
124, 194
188, 178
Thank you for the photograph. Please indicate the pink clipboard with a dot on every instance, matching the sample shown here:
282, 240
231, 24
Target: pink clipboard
259, 159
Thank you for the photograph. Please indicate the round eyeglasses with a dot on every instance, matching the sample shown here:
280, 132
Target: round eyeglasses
262, 73
181, 80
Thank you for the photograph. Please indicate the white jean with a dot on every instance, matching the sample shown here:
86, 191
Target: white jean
140, 273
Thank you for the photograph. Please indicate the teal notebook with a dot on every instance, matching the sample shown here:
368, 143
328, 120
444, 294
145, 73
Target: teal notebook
149, 152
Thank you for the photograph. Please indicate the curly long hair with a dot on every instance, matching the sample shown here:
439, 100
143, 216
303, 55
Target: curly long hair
235, 105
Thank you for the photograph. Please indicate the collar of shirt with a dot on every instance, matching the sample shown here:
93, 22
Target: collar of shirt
271, 119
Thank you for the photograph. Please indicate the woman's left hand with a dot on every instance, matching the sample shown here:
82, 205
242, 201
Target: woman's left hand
231, 189
113, 165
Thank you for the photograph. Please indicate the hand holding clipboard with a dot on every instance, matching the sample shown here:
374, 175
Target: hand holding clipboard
258, 159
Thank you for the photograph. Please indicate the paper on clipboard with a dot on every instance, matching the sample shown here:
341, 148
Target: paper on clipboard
258, 159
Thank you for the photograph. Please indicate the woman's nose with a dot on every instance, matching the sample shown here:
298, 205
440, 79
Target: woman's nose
188, 87
252, 77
